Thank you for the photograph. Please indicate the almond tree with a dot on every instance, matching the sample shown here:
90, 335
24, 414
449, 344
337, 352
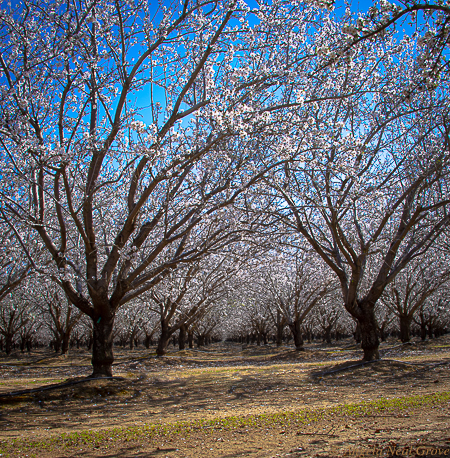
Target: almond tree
59, 315
129, 324
126, 130
17, 319
327, 317
186, 295
15, 267
295, 285
366, 179
410, 290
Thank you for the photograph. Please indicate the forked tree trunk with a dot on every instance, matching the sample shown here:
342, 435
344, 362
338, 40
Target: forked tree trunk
102, 346
405, 328
296, 330
369, 335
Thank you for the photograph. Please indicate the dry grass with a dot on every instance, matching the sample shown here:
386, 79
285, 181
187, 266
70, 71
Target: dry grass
235, 401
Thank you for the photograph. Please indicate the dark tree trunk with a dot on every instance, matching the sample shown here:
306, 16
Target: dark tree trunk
430, 330
102, 346
57, 344
405, 328
182, 338
65, 343
191, 339
327, 334
200, 341
279, 336
296, 329
382, 332
423, 331
357, 333
164, 339
369, 335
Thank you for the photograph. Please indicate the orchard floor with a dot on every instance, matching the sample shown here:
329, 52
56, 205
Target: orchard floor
228, 401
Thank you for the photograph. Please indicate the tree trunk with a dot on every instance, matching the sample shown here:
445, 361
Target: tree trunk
357, 333
102, 346
279, 336
423, 330
382, 333
163, 340
200, 341
57, 344
8, 344
182, 338
369, 335
430, 330
296, 330
327, 335
405, 328
65, 343
191, 339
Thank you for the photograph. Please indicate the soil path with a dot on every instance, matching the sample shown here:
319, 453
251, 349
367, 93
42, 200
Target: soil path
228, 401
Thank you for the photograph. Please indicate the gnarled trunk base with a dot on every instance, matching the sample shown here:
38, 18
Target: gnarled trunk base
102, 347
369, 335
296, 330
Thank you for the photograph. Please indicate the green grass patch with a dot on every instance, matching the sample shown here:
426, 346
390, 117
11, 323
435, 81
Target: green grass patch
32, 382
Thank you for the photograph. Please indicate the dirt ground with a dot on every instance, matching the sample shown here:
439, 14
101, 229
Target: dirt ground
227, 400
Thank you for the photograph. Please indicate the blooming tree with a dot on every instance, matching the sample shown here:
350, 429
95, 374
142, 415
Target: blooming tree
366, 177
409, 291
126, 130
